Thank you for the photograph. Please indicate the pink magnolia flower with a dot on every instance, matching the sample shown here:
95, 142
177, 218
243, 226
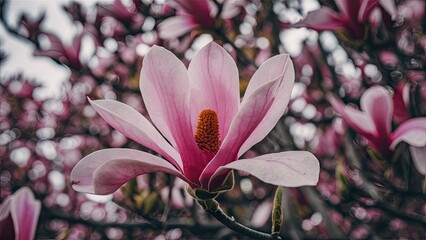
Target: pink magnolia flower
19, 215
202, 126
195, 14
374, 123
353, 17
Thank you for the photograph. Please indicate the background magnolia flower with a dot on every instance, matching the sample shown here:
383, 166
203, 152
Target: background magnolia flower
195, 14
190, 15
19, 215
66, 54
353, 17
374, 123
205, 127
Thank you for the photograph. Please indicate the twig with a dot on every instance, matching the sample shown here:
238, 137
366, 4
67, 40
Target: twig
386, 207
195, 228
230, 222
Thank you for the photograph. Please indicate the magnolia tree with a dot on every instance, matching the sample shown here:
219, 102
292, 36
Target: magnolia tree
220, 120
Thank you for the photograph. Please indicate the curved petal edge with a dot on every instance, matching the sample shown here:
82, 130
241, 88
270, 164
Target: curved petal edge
288, 169
83, 176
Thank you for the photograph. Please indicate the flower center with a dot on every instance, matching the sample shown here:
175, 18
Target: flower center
207, 135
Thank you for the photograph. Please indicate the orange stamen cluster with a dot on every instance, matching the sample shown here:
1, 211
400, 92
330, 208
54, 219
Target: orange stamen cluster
207, 135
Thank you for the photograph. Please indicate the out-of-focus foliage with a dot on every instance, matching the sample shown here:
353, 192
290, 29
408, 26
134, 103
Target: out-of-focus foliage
361, 193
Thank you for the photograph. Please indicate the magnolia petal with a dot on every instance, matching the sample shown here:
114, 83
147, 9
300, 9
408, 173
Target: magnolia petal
56, 49
400, 98
201, 10
250, 115
365, 9
164, 87
287, 169
231, 9
349, 8
368, 6
7, 229
412, 131
25, 210
190, 7
165, 90
322, 19
276, 68
377, 103
214, 84
356, 119
269, 71
5, 208
419, 158
113, 174
76, 44
83, 175
177, 26
135, 126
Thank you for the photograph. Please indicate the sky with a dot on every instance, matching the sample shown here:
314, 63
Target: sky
19, 53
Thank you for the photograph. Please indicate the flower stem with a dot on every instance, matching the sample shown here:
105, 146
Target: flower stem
230, 222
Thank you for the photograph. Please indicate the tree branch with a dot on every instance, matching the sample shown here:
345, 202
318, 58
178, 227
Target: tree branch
230, 222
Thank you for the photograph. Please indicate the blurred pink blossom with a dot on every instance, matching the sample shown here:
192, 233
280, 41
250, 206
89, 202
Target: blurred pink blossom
119, 11
400, 101
374, 123
179, 197
60, 52
353, 17
262, 214
195, 14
